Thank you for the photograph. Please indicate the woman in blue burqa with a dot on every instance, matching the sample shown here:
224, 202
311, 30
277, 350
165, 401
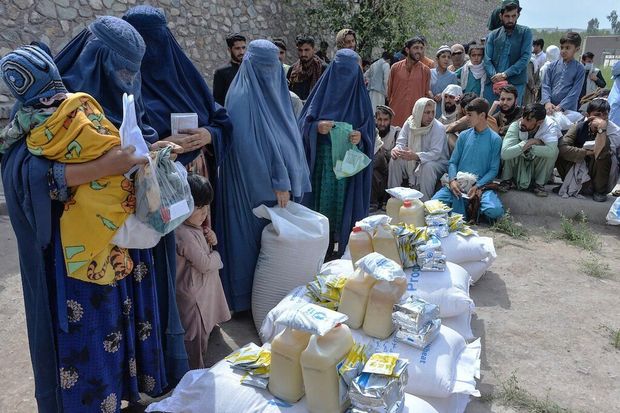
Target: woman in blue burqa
91, 345
264, 165
340, 96
172, 84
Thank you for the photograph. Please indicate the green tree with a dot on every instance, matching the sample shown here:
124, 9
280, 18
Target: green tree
615, 24
593, 25
381, 23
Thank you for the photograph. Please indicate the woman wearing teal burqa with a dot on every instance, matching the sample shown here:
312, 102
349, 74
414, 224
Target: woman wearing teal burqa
264, 163
340, 96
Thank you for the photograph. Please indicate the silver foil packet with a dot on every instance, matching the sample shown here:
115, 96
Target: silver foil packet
376, 393
414, 314
419, 339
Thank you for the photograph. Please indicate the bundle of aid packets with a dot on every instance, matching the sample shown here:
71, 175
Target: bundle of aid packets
325, 290
255, 361
430, 256
417, 321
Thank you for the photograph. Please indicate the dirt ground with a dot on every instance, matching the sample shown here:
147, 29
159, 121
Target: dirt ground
540, 317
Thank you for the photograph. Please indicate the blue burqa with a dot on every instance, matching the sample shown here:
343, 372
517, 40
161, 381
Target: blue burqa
66, 337
265, 155
341, 96
104, 67
176, 86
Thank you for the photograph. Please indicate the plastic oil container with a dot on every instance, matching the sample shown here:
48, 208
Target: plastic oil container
319, 363
354, 297
285, 378
360, 244
392, 208
384, 242
383, 296
412, 213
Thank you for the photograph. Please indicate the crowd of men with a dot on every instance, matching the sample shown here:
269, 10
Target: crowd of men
542, 112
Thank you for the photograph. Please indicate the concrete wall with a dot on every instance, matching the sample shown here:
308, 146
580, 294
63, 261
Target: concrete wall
200, 26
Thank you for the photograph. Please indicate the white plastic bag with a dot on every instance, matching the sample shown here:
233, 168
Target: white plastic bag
135, 234
218, 390
380, 268
448, 365
369, 224
458, 248
293, 247
613, 216
163, 197
311, 318
404, 194
562, 120
130, 131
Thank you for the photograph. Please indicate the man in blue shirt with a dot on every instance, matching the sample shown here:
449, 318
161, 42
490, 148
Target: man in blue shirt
507, 52
564, 78
477, 152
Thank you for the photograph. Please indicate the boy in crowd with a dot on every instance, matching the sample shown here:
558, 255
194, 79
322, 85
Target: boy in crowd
462, 123
509, 111
477, 151
529, 151
564, 78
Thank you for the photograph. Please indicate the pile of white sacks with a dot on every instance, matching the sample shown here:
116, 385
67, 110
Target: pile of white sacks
442, 377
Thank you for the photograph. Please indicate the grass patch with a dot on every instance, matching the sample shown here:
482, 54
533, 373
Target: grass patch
576, 232
614, 336
510, 394
594, 267
507, 225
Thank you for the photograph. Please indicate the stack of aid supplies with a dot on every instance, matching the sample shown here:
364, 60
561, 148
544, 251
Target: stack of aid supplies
316, 357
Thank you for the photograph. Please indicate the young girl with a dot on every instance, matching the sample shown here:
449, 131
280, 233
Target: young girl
200, 296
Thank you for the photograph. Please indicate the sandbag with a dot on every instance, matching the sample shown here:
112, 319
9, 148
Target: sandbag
292, 250
449, 289
461, 324
217, 390
457, 403
476, 269
458, 248
448, 365
613, 216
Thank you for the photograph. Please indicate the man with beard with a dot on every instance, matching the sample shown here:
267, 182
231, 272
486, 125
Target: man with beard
223, 77
508, 109
458, 57
507, 53
449, 104
529, 151
421, 151
305, 72
384, 143
472, 75
409, 81
592, 141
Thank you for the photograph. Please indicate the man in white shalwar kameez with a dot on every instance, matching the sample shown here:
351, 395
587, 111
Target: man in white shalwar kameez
421, 151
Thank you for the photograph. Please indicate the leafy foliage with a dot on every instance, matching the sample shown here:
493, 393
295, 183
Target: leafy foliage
380, 23
615, 24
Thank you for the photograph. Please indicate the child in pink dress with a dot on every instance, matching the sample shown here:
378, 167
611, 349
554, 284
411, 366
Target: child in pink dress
200, 296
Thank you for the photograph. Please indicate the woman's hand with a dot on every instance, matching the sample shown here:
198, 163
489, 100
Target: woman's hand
355, 137
176, 149
191, 139
283, 197
119, 160
325, 126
